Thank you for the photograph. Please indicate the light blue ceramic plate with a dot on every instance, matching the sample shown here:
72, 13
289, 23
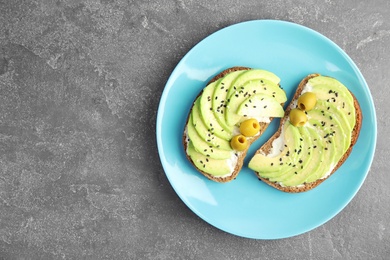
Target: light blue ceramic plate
247, 207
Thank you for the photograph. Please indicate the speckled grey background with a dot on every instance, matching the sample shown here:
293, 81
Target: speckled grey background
80, 176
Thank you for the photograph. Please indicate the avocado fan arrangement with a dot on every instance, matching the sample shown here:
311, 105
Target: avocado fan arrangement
315, 136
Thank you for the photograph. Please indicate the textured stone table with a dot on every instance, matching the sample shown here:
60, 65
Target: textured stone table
80, 176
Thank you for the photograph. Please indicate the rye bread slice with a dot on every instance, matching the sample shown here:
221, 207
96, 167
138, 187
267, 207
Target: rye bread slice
242, 154
266, 148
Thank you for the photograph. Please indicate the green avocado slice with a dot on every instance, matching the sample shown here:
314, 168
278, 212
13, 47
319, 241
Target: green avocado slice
340, 99
332, 85
246, 84
270, 165
208, 116
302, 156
202, 146
328, 151
260, 106
204, 132
334, 121
212, 166
311, 160
252, 75
220, 97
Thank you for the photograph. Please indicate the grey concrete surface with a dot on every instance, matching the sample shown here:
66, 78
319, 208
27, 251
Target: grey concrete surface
80, 176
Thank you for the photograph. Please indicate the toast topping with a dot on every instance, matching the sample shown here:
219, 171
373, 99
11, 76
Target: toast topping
311, 150
213, 137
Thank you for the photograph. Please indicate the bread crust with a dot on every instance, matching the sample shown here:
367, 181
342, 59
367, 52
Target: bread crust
242, 154
268, 145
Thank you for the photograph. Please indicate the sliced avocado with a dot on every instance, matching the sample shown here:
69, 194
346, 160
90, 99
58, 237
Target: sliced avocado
334, 121
328, 152
325, 137
272, 163
340, 99
220, 97
301, 155
311, 159
204, 132
208, 116
252, 75
202, 146
331, 84
212, 166
260, 105
250, 88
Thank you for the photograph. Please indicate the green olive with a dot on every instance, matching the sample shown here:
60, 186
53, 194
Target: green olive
239, 143
307, 101
250, 127
297, 117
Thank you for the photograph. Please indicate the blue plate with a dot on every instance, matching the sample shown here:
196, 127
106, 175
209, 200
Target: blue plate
247, 207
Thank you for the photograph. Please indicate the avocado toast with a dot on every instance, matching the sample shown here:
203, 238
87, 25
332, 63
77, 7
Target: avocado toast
304, 153
227, 107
